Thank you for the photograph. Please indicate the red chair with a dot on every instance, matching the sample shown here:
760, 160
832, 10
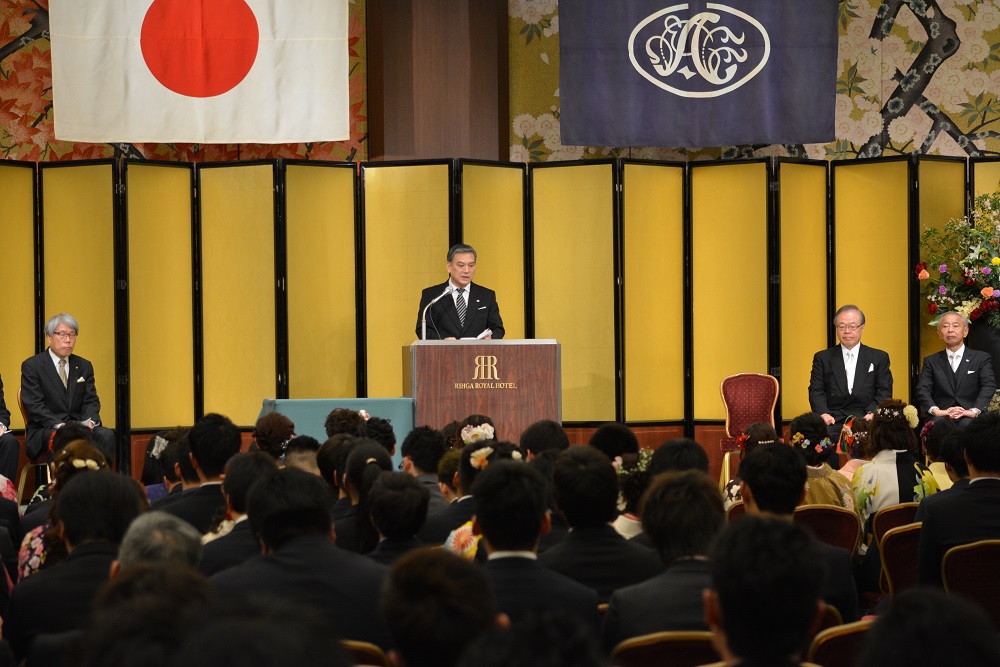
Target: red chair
363, 653
885, 520
749, 398
736, 511
969, 570
666, 649
41, 461
839, 646
831, 524
898, 551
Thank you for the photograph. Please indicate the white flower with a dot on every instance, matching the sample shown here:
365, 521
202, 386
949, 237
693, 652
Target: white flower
900, 130
546, 123
471, 434
553, 29
519, 153
525, 126
516, 455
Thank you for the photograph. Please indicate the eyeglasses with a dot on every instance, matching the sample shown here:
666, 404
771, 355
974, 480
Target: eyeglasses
849, 327
65, 334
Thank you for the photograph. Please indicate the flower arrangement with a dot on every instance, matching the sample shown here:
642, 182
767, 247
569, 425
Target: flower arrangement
471, 434
960, 270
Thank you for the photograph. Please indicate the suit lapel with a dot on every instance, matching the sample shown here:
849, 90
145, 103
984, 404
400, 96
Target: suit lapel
51, 376
861, 369
73, 374
839, 369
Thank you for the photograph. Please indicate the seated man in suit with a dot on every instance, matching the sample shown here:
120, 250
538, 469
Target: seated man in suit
57, 387
765, 594
849, 379
682, 514
511, 514
594, 553
951, 452
9, 448
398, 505
422, 450
955, 383
544, 435
465, 310
774, 481
969, 515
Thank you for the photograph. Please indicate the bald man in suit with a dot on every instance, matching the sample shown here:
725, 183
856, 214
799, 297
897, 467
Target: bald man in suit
956, 383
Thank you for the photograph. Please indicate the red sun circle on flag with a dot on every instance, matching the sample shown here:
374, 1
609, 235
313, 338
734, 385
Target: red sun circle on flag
199, 48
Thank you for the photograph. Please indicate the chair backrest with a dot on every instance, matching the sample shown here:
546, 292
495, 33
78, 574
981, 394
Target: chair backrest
969, 570
839, 646
364, 653
898, 551
666, 649
736, 511
831, 524
749, 398
895, 516
20, 406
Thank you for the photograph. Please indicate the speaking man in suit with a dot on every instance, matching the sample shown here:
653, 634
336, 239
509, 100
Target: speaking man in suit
57, 387
850, 379
9, 449
955, 383
464, 310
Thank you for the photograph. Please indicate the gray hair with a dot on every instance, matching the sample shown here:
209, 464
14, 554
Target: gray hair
61, 318
846, 307
955, 312
158, 537
459, 248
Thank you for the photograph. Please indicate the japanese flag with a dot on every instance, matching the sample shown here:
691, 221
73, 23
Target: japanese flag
200, 71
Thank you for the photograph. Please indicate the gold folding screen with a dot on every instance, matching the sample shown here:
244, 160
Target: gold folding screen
574, 281
322, 329
653, 267
871, 247
729, 267
985, 177
406, 216
78, 213
158, 219
804, 319
238, 288
493, 224
17, 284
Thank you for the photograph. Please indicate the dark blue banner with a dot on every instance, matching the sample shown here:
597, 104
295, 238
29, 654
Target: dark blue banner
697, 74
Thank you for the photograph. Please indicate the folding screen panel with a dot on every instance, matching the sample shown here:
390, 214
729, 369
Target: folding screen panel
653, 268
406, 212
729, 276
78, 262
493, 224
985, 176
941, 196
872, 259
17, 283
802, 211
322, 313
574, 281
158, 221
237, 221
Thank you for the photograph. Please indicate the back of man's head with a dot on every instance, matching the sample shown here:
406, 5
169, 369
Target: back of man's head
398, 505
951, 452
764, 569
424, 446
542, 436
332, 458
214, 440
776, 476
288, 503
980, 439
448, 468
177, 454
158, 537
342, 420
585, 487
241, 472
302, 452
678, 454
98, 507
614, 440
380, 430
434, 605
682, 513
510, 505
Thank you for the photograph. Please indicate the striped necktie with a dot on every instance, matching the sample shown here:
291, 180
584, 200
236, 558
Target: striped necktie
460, 305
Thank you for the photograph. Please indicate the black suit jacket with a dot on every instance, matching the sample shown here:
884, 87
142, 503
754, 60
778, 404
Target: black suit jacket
669, 601
968, 516
442, 318
598, 557
388, 550
4, 412
310, 570
49, 403
828, 383
236, 547
440, 524
521, 586
972, 386
198, 506
840, 590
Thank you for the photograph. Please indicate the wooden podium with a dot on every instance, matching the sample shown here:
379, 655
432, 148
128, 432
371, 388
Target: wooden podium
515, 382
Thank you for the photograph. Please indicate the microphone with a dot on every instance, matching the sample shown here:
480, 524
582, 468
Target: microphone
423, 316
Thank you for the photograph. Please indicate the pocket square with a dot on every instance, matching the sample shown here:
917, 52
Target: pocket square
79, 380
871, 367
969, 372
481, 308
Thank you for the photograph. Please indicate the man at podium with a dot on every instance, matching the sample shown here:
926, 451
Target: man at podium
458, 308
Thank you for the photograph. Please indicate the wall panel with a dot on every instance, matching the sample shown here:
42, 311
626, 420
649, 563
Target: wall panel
985, 177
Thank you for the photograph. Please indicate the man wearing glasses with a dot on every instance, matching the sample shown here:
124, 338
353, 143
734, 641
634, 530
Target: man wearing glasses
57, 387
849, 379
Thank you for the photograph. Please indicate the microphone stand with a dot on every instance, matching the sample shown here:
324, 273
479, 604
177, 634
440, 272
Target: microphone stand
423, 315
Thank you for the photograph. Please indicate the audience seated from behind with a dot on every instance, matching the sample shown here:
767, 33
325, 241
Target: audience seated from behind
365, 463
271, 434
239, 544
157, 480
37, 511
633, 479
178, 473
422, 451
289, 512
447, 475
855, 442
344, 421
301, 453
951, 453
544, 435
398, 504
380, 430
774, 483
511, 515
540, 639
810, 437
932, 435
677, 455
682, 514
474, 458
614, 439
545, 463
332, 462
434, 605
754, 435
593, 553
764, 600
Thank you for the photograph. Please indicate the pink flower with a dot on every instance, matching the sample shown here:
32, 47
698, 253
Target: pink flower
943, 268
819, 449
986, 270
923, 275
